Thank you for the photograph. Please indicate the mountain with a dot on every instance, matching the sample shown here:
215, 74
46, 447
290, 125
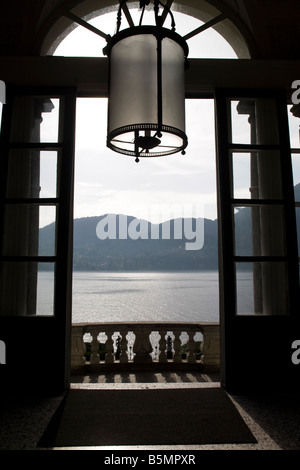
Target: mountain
113, 242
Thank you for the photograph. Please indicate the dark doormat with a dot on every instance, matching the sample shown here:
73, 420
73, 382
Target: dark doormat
146, 417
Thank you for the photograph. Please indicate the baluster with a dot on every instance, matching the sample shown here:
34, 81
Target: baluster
117, 348
130, 337
131, 354
102, 346
162, 346
191, 347
156, 351
154, 340
109, 357
123, 347
142, 345
169, 348
78, 349
95, 357
177, 346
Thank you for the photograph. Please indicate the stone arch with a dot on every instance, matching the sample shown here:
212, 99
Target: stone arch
56, 26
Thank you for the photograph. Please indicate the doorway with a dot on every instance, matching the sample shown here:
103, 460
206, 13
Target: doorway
144, 272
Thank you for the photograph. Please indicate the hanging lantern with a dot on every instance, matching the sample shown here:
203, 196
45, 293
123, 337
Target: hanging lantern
146, 106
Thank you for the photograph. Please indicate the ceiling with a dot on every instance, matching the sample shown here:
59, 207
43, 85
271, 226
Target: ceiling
271, 26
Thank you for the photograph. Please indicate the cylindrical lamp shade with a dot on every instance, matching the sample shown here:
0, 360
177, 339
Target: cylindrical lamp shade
146, 108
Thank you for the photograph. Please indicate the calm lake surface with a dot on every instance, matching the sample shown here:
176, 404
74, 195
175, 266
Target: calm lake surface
145, 296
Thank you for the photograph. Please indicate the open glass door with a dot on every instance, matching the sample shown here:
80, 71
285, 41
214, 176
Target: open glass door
258, 242
37, 159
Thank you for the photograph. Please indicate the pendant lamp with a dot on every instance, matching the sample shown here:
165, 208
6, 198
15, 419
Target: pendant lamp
146, 105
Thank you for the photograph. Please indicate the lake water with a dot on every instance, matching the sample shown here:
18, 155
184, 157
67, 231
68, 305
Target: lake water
145, 296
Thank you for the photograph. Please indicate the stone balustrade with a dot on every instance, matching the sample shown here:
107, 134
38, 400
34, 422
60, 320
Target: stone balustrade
106, 346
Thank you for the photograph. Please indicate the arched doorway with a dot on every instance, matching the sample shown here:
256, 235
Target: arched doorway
242, 47
218, 48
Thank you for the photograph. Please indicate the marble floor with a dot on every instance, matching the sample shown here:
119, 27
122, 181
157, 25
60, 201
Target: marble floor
274, 419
